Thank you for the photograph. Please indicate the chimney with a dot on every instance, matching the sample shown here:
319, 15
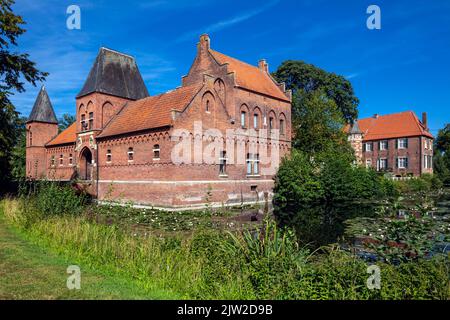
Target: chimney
425, 120
204, 43
263, 66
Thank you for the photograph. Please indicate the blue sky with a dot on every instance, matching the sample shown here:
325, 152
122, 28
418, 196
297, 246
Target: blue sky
403, 66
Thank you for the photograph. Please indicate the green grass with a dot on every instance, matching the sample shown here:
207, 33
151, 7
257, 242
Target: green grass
28, 271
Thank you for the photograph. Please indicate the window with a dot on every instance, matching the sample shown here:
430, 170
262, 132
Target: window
402, 163
207, 105
223, 163
368, 146
31, 138
252, 164
108, 155
256, 121
382, 164
91, 120
383, 145
368, 163
130, 154
270, 123
281, 126
156, 152
402, 143
243, 115
52, 162
70, 159
83, 122
427, 162
61, 160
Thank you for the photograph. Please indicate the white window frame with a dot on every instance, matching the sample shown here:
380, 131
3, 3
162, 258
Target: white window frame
404, 165
252, 164
368, 163
403, 145
371, 147
384, 145
380, 161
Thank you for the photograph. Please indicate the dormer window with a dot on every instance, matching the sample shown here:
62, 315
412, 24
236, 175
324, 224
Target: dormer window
108, 156
130, 154
156, 152
91, 120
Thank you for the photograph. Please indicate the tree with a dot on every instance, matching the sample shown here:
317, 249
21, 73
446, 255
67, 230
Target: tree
65, 121
14, 67
303, 78
441, 163
318, 123
322, 104
17, 159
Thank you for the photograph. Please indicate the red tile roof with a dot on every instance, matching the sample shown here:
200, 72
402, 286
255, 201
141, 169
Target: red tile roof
250, 77
149, 113
396, 125
67, 136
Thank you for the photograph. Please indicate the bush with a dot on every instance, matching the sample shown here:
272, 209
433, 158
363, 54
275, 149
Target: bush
264, 264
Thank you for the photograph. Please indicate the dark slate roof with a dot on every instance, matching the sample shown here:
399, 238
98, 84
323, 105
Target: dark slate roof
116, 74
42, 109
355, 128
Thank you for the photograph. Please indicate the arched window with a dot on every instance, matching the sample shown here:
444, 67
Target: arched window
282, 124
219, 86
208, 102
130, 154
243, 118
156, 152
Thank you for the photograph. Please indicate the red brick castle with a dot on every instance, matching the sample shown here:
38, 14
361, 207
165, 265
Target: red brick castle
216, 139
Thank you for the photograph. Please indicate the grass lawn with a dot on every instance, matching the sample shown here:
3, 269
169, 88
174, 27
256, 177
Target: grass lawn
30, 272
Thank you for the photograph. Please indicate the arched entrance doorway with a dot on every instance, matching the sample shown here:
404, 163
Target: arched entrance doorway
85, 164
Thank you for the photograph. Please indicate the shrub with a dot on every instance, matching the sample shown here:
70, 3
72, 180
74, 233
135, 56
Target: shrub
52, 198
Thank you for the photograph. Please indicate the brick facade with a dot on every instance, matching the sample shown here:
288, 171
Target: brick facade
398, 143
213, 96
